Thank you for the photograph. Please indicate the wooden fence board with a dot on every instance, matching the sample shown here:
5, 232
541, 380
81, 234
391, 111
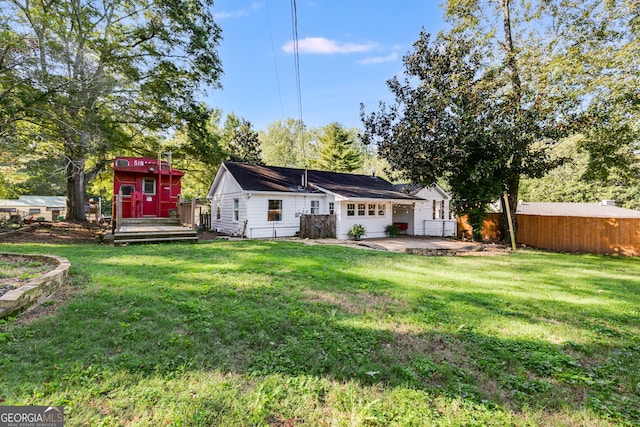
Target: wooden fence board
317, 226
615, 236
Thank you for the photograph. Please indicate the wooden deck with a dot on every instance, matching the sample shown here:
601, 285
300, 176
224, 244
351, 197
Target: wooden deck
152, 230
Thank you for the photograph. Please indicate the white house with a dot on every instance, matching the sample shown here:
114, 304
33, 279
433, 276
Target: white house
263, 201
50, 208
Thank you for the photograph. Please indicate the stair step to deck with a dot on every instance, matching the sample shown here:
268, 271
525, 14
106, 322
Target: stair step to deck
156, 240
147, 230
150, 221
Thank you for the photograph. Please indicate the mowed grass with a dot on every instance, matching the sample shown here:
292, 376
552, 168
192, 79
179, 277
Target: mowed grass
280, 333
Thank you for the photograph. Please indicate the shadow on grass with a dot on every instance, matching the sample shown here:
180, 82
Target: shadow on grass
259, 308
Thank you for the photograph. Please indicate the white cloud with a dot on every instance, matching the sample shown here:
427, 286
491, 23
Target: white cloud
239, 13
320, 45
378, 59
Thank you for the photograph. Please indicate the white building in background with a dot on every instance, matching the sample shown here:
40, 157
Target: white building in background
46, 208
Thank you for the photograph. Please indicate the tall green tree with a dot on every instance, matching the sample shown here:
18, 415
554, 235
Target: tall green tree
337, 150
288, 143
107, 72
245, 145
579, 51
455, 117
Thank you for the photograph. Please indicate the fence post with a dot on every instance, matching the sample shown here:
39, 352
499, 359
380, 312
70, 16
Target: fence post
118, 210
513, 237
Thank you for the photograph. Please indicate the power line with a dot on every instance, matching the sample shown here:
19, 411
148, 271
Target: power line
296, 56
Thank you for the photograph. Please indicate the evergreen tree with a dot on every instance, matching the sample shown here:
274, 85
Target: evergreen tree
245, 146
337, 150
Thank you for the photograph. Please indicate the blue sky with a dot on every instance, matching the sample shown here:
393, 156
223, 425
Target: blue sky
348, 49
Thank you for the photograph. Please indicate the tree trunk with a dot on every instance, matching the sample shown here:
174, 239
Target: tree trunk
510, 52
513, 169
75, 191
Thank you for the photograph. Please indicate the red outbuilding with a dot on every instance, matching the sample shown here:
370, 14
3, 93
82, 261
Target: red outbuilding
145, 187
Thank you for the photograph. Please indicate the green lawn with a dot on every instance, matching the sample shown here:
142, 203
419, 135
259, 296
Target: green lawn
283, 334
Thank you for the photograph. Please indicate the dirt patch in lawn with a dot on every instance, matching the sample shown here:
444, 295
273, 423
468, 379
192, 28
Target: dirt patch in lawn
48, 307
54, 233
357, 303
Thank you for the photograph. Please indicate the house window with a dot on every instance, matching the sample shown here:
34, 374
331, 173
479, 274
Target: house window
331, 208
351, 209
442, 209
149, 186
218, 213
434, 209
371, 209
450, 215
315, 207
381, 209
34, 211
236, 209
361, 209
275, 210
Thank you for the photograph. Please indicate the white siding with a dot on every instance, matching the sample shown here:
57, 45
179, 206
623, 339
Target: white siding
293, 205
228, 190
375, 225
424, 223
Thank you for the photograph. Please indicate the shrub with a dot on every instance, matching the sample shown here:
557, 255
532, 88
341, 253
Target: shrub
392, 230
357, 231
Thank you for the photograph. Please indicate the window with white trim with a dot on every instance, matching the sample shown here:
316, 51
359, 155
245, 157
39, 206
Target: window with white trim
371, 209
149, 186
315, 207
236, 209
381, 209
274, 212
332, 208
362, 209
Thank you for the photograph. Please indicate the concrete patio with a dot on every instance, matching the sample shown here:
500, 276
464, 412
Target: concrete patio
421, 245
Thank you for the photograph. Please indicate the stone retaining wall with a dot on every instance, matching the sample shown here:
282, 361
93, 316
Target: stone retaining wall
35, 290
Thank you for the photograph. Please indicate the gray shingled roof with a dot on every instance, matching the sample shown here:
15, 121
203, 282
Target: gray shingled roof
593, 210
289, 180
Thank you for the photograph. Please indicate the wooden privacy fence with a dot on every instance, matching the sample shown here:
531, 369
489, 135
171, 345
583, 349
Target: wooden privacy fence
613, 236
317, 226
616, 236
490, 227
